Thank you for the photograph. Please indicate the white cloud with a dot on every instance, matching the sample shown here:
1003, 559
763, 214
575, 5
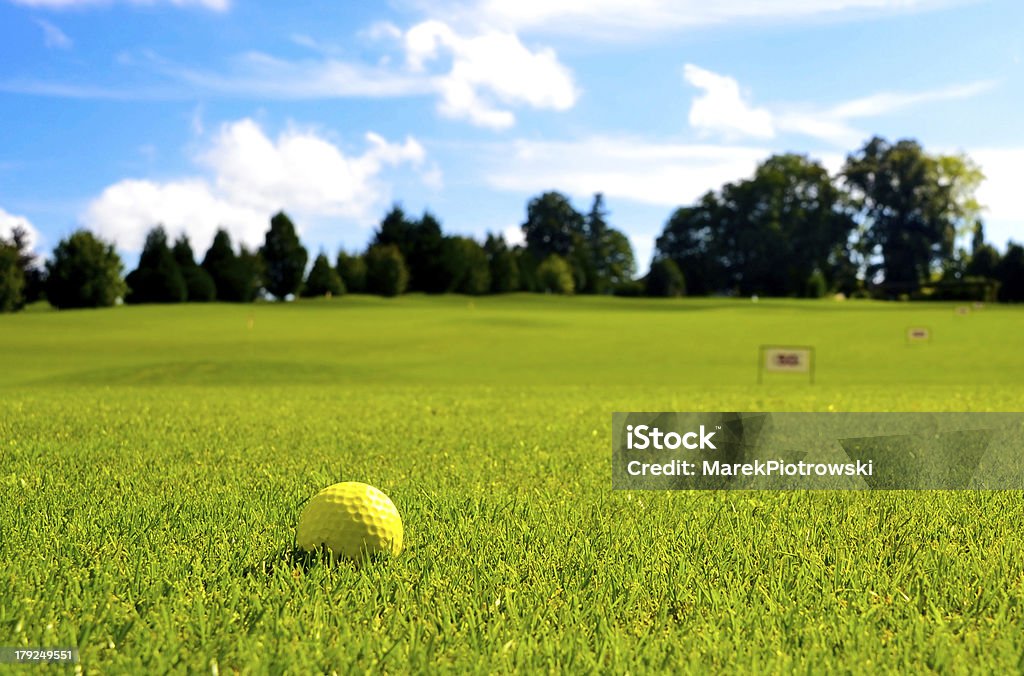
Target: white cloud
488, 69
721, 107
9, 221
514, 236
53, 36
258, 74
661, 174
1000, 192
249, 176
215, 5
634, 19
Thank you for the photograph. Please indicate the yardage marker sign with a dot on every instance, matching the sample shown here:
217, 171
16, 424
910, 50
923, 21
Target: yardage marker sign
785, 359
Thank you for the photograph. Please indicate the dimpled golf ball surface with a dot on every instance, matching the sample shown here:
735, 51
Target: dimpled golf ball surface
351, 520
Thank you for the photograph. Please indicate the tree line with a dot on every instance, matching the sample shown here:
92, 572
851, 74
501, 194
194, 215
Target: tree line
885, 226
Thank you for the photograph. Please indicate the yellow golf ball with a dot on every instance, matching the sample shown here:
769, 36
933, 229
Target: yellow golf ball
352, 520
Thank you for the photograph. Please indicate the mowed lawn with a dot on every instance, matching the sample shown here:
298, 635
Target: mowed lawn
154, 460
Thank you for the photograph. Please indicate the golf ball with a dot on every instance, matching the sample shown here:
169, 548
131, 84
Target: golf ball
352, 520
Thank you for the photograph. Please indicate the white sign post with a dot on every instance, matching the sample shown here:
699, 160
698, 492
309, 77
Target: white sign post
785, 359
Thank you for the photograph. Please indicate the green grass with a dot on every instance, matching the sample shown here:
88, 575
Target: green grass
153, 463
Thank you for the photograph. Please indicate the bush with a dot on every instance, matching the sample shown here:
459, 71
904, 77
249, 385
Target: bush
555, 275
816, 286
386, 272
84, 272
665, 279
631, 289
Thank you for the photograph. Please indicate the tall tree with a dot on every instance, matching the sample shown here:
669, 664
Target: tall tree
84, 272
220, 263
466, 266
691, 239
198, 282
551, 224
12, 279
984, 258
236, 277
911, 205
764, 235
157, 279
284, 257
421, 243
503, 265
1010, 273
607, 255
28, 263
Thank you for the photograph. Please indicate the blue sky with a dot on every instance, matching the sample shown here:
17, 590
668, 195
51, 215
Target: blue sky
119, 114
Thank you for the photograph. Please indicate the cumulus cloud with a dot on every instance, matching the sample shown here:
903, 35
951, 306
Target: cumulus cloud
999, 193
247, 177
215, 5
721, 107
489, 69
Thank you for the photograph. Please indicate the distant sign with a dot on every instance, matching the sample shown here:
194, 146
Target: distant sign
919, 334
785, 359
963, 310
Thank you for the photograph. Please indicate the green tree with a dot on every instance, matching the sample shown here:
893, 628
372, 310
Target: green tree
84, 272
608, 256
250, 272
466, 266
911, 206
551, 224
693, 240
236, 277
386, 272
816, 286
284, 258
421, 244
157, 278
665, 279
1010, 274
503, 265
33, 278
764, 235
323, 280
984, 258
199, 284
220, 262
12, 278
352, 270
554, 275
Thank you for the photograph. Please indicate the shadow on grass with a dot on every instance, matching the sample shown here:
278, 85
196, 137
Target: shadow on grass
295, 559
